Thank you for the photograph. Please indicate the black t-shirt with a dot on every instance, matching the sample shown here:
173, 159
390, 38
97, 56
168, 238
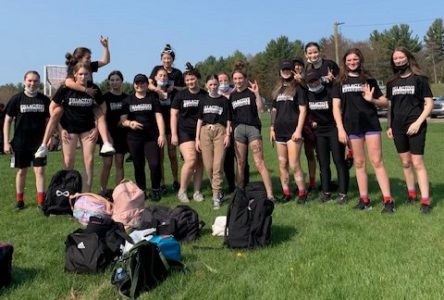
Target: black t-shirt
175, 76
30, 115
287, 111
188, 105
214, 110
113, 109
143, 111
407, 100
78, 115
359, 115
326, 65
244, 108
321, 110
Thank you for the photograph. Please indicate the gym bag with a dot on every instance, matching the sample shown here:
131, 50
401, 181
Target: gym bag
63, 184
92, 249
249, 218
6, 251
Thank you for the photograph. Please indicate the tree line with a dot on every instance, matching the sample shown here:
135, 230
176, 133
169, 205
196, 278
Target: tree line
264, 66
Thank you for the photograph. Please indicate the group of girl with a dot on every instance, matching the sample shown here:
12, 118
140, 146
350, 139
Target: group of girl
315, 103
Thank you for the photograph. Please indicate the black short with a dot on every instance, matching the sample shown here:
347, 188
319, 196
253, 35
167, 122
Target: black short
411, 143
186, 136
119, 142
24, 159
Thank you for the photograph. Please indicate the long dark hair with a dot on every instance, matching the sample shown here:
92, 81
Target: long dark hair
411, 60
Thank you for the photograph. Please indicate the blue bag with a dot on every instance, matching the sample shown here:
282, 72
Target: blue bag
169, 247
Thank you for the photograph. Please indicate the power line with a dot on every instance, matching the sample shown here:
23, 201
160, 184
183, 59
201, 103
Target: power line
392, 23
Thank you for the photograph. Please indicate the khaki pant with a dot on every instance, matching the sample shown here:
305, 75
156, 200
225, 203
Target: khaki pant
213, 154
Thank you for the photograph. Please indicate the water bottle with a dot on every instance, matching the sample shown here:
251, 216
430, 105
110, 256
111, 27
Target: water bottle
12, 165
120, 275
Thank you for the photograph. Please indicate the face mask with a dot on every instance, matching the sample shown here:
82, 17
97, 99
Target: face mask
402, 68
161, 83
289, 79
30, 92
224, 87
213, 94
316, 89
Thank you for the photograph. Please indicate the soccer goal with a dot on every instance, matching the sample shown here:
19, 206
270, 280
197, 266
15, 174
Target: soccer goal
54, 76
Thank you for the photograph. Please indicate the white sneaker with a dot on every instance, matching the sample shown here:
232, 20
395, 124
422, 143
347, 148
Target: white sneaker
41, 152
107, 148
216, 203
198, 197
183, 197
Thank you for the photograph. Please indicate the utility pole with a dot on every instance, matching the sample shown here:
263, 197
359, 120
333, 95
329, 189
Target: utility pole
336, 37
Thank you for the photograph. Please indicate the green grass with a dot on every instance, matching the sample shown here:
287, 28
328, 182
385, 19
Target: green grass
319, 251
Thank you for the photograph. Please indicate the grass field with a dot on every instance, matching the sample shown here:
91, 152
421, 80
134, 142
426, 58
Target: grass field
319, 251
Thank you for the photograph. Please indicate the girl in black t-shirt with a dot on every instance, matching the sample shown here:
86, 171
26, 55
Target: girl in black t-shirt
326, 133
175, 77
247, 103
355, 97
328, 70
113, 101
82, 55
146, 134
184, 114
165, 97
213, 135
78, 123
30, 111
287, 120
411, 103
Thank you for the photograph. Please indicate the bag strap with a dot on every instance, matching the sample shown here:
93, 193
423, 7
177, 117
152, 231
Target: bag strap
108, 204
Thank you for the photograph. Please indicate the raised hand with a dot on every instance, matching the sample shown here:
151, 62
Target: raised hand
367, 92
254, 87
104, 41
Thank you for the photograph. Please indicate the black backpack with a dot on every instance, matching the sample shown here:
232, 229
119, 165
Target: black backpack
249, 218
6, 251
63, 184
182, 221
92, 249
139, 270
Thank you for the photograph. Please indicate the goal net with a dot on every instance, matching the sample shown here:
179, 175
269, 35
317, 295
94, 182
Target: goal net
54, 76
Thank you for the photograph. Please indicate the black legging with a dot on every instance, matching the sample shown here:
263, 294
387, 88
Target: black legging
230, 176
327, 143
140, 150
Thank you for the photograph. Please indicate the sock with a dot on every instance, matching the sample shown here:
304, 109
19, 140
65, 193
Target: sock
387, 199
412, 194
19, 197
312, 181
286, 192
40, 197
301, 193
425, 201
364, 198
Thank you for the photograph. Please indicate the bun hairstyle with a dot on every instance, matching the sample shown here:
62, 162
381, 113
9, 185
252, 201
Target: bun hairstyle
78, 54
240, 67
168, 50
190, 70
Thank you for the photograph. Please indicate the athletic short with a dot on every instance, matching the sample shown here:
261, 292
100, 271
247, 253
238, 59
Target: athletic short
24, 159
411, 143
119, 142
360, 135
186, 136
284, 140
246, 134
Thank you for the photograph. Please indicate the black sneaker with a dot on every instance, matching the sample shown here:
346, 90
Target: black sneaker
176, 186
411, 201
342, 198
163, 189
363, 206
285, 199
156, 195
129, 158
324, 197
20, 205
426, 209
389, 207
302, 199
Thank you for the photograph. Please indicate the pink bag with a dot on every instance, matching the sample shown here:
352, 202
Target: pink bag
128, 204
86, 205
